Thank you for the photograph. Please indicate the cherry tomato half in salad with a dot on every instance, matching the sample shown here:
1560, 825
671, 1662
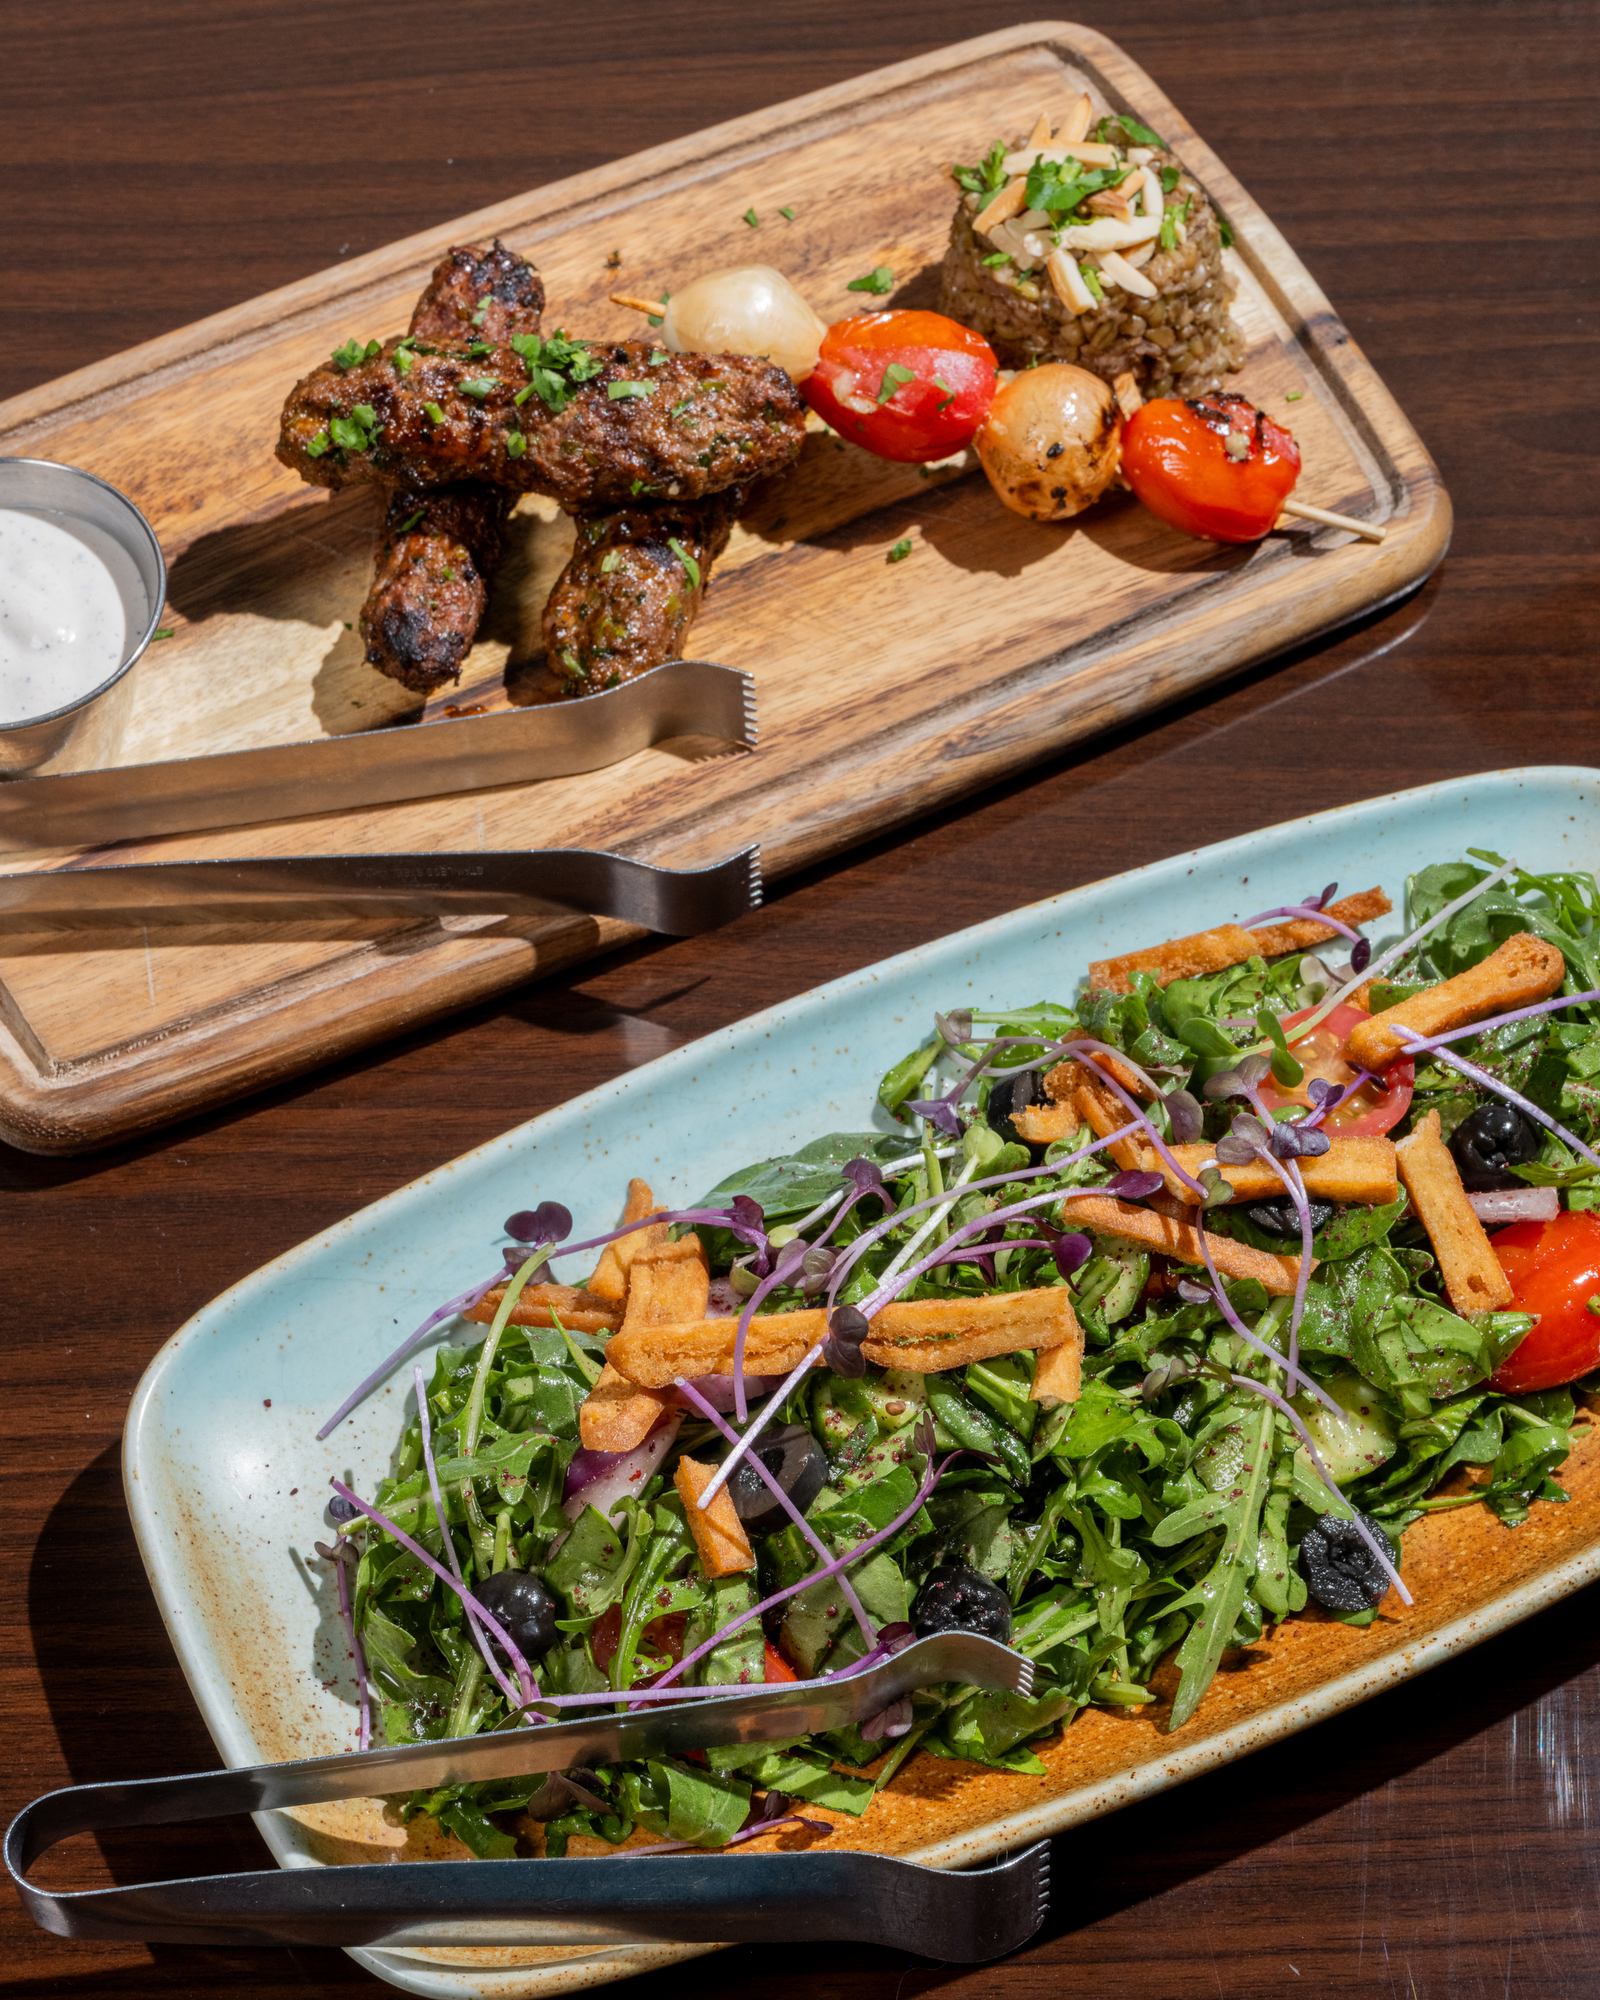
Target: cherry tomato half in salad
911, 386
777, 1668
1554, 1268
1216, 467
1374, 1109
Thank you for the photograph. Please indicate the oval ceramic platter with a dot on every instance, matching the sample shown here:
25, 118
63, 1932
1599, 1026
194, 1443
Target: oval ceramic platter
225, 1476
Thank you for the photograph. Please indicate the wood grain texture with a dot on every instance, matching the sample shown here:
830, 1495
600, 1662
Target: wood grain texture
883, 688
1440, 1841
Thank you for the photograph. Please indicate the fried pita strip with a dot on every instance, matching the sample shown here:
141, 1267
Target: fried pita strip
1104, 1113
1300, 933
610, 1276
579, 1310
1522, 970
1474, 1278
655, 1356
1058, 1375
617, 1415
1043, 1124
1352, 1170
718, 1532
668, 1283
1104, 1215
1215, 950
929, 1335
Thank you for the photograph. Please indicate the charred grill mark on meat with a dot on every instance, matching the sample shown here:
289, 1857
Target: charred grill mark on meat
632, 589
478, 294
441, 546
439, 552
678, 426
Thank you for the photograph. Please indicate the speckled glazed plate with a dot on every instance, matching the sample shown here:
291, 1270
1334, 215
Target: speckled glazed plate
225, 1478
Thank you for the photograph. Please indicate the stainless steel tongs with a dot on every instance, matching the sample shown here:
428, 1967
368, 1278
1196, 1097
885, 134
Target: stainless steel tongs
610, 1901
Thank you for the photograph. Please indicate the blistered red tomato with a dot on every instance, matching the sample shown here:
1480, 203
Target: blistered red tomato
911, 386
1216, 467
1374, 1108
1554, 1268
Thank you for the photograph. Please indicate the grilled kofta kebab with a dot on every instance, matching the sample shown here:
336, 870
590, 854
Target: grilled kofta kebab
442, 544
593, 426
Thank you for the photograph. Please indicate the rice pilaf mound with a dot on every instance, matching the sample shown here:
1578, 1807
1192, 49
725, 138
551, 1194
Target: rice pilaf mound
1037, 284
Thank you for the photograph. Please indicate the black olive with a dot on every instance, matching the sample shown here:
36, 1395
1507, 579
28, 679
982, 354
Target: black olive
524, 1607
1341, 1572
796, 1461
1495, 1137
1009, 1096
958, 1599
1282, 1218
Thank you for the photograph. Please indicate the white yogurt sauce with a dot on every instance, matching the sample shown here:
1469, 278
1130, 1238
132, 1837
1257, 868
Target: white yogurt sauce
71, 608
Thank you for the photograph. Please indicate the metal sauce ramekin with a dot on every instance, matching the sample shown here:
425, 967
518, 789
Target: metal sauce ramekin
84, 732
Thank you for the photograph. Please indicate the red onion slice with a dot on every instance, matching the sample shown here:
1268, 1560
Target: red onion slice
600, 1479
1528, 1204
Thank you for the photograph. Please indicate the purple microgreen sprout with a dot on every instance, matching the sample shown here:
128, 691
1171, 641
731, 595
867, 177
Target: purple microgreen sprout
550, 1222
1293, 1139
1169, 1368
869, 1631
1426, 1045
847, 1329
1151, 1134
1294, 1374
1218, 1191
785, 1267
1185, 1116
1133, 1185
1432, 1042
462, 1303
470, 1603
1243, 1080
940, 1114
1193, 1294
955, 1027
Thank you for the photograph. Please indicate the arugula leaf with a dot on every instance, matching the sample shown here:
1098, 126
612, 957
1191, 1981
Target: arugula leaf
677, 1801
795, 1182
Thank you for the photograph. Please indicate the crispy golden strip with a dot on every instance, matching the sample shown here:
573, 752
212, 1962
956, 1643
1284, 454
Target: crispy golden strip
668, 1283
718, 1532
1358, 1170
1091, 1104
1105, 1113
656, 1356
1106, 1216
1522, 970
928, 1335
1215, 950
1065, 1078
1473, 1276
610, 1276
578, 1309
1300, 933
617, 1415
1043, 1124
1058, 1375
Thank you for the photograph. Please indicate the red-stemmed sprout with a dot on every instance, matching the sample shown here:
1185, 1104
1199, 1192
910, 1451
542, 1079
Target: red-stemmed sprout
1429, 1045
463, 1302
869, 1631
469, 1602
1314, 909
1217, 1294
785, 1270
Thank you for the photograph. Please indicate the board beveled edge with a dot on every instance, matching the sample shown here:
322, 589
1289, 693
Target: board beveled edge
341, 1010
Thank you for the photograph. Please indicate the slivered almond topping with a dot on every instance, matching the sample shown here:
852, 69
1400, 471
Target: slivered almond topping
1040, 135
1075, 125
1066, 281
1010, 201
1122, 273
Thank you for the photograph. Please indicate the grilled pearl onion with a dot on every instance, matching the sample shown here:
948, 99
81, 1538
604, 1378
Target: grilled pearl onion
1052, 441
753, 310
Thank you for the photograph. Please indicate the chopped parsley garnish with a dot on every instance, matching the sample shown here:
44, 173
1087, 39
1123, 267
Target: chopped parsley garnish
318, 445
1294, 395
434, 412
358, 431
1091, 277
1167, 235
1062, 190
638, 486
787, 214
163, 632
992, 263
352, 354
989, 178
895, 377
678, 409
1225, 231
617, 392
478, 347
900, 551
656, 320
752, 218
403, 360
877, 281
686, 559
610, 561
659, 357
405, 527
1141, 135
1170, 176
516, 444
555, 367
481, 314
947, 392
480, 386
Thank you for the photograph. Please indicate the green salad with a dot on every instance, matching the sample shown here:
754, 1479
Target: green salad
1237, 1450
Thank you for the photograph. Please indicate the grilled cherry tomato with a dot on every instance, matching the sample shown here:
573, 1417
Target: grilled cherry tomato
1375, 1106
912, 386
1215, 467
1554, 1268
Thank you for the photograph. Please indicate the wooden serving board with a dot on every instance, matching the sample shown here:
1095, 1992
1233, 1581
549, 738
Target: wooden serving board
884, 688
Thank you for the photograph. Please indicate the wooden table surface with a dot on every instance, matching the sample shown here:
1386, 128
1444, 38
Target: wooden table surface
1434, 164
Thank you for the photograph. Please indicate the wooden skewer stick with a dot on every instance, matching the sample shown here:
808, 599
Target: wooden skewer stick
1304, 511
654, 307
